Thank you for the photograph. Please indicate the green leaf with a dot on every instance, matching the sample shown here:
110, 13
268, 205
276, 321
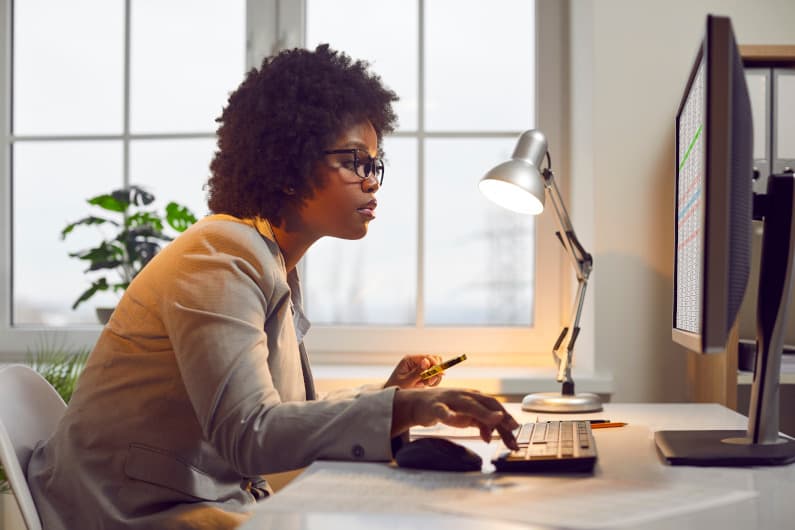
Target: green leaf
98, 285
99, 265
90, 220
109, 202
146, 233
179, 217
145, 219
140, 197
103, 253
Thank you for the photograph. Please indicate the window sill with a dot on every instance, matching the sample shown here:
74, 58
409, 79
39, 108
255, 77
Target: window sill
503, 380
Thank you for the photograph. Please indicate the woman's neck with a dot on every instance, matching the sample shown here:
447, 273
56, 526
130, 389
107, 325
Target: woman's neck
292, 243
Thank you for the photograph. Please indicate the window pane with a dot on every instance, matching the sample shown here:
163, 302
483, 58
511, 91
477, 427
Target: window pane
52, 181
68, 66
374, 280
479, 65
186, 57
479, 257
384, 34
173, 170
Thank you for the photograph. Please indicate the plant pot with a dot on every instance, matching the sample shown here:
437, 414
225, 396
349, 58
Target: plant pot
103, 314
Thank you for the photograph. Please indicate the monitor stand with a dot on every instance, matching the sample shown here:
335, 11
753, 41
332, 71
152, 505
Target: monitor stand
761, 444
721, 448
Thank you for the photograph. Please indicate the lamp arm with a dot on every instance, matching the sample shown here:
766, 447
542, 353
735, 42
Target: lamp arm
581, 260
583, 264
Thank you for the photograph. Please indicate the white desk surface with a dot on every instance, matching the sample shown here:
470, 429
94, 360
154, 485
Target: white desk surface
348, 495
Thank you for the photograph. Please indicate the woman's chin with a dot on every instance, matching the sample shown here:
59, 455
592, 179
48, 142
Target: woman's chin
352, 234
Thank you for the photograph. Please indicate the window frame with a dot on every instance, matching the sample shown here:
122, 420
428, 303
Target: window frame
277, 24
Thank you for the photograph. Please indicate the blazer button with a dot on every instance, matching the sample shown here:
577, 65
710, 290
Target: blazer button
357, 451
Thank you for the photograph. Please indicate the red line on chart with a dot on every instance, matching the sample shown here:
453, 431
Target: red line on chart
693, 184
689, 239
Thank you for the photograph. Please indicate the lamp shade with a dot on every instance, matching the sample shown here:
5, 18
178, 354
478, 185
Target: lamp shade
518, 184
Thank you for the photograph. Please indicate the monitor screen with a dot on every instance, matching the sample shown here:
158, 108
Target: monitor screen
714, 194
690, 207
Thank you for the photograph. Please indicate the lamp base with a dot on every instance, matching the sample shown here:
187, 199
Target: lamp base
559, 402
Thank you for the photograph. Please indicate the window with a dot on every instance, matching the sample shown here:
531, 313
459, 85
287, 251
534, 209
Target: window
103, 93
126, 98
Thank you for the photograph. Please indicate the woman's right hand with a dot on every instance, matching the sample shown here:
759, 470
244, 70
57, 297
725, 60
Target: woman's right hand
454, 407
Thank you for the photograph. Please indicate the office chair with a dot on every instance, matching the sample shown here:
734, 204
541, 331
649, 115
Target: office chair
30, 408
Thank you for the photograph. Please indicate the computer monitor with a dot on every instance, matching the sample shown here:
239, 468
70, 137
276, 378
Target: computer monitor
714, 194
714, 209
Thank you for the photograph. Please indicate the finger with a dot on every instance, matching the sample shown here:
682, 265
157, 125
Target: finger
406, 366
450, 417
485, 433
507, 437
432, 381
492, 404
464, 411
426, 361
509, 422
483, 408
468, 411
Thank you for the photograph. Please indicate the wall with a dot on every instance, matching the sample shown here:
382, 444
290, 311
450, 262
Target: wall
630, 60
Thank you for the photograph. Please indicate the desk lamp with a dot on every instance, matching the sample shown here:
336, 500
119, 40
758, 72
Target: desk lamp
521, 185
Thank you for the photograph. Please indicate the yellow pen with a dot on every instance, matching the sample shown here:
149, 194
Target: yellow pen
439, 368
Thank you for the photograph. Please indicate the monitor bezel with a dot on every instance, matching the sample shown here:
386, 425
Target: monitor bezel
715, 51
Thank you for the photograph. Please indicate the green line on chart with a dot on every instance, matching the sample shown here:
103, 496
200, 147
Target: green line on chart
690, 147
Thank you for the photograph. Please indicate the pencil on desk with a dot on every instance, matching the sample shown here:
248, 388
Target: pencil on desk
607, 425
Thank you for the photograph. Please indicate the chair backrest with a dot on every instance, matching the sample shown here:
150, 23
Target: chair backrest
30, 408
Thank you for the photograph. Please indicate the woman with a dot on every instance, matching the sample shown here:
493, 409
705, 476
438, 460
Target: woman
199, 383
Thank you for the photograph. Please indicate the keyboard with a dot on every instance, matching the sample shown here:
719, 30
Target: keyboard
557, 446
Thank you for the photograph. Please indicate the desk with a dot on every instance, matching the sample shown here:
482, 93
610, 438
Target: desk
348, 495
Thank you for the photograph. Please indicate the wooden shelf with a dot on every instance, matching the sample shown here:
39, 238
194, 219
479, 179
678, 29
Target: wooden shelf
765, 55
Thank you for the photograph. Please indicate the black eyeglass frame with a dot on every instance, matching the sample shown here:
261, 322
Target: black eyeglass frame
376, 164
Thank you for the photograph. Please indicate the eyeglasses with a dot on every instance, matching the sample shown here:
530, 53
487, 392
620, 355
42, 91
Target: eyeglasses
362, 167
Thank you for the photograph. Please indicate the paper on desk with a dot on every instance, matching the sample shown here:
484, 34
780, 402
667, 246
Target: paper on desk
592, 502
374, 487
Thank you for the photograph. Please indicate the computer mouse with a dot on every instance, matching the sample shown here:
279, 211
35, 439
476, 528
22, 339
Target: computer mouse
438, 454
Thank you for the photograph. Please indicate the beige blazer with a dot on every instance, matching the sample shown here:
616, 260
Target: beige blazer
195, 385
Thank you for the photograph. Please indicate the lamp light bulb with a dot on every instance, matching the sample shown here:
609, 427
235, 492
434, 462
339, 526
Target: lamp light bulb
511, 196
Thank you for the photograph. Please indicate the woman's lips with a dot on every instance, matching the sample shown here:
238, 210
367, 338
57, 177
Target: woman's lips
368, 210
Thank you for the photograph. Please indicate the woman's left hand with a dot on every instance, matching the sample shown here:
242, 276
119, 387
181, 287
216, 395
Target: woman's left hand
407, 373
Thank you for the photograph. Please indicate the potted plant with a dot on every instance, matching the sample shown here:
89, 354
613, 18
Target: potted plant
138, 234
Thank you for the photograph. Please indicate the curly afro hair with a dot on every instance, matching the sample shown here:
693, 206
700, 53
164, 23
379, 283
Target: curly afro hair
280, 119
